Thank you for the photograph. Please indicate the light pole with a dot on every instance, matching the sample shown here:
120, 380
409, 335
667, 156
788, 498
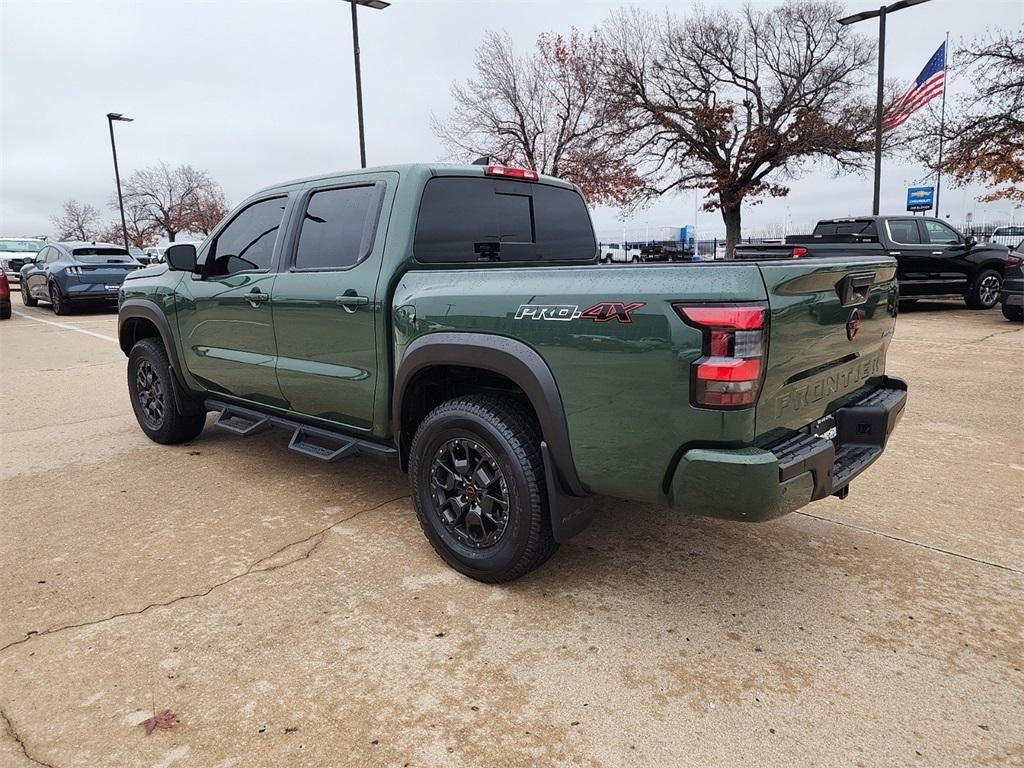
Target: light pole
379, 5
863, 16
111, 117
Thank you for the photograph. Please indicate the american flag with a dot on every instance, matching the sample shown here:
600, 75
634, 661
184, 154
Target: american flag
928, 85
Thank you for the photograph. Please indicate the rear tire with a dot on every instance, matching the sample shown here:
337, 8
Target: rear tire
60, 305
150, 386
5, 311
1015, 314
471, 452
984, 294
27, 299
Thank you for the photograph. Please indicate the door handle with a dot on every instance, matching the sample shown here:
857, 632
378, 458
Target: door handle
349, 300
256, 297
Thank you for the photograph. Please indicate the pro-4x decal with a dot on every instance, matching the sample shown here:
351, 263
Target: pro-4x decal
601, 312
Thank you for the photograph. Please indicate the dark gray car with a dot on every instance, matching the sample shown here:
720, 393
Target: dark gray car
70, 273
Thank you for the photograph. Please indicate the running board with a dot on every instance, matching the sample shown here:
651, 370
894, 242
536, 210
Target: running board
242, 423
315, 442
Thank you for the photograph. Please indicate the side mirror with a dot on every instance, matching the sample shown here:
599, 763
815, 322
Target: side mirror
970, 241
181, 257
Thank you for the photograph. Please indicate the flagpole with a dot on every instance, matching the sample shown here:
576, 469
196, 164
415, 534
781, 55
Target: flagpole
942, 127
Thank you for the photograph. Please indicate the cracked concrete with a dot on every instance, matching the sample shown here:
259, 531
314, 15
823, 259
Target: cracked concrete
291, 613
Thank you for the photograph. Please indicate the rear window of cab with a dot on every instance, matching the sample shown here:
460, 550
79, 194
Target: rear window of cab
474, 219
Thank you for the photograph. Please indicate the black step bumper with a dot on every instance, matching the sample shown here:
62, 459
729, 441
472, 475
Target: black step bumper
862, 430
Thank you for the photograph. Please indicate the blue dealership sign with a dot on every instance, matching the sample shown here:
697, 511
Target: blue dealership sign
920, 198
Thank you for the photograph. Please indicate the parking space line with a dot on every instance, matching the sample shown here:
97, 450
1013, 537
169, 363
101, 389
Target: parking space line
66, 327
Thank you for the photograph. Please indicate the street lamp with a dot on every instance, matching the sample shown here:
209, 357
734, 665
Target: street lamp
111, 117
379, 5
864, 16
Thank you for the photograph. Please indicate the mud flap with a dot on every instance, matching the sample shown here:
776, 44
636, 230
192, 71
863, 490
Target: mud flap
569, 514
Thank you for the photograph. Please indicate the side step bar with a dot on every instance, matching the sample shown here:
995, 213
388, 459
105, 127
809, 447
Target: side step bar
317, 443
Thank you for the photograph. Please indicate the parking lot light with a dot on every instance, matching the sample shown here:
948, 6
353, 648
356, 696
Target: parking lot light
111, 117
379, 5
880, 13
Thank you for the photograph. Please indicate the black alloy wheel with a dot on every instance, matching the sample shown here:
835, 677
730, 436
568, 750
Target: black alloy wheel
470, 493
149, 390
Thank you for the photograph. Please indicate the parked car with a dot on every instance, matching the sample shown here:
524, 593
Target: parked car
618, 252
13, 251
1008, 235
932, 258
71, 273
406, 312
665, 251
5, 297
1011, 296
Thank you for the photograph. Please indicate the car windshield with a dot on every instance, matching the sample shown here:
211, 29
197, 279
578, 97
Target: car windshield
102, 255
21, 246
1019, 247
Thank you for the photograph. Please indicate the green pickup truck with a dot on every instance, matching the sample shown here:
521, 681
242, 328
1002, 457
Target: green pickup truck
456, 318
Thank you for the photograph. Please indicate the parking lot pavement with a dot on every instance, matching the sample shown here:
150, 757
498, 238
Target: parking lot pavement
291, 613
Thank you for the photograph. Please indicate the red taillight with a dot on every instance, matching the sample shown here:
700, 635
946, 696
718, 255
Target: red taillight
511, 173
728, 375
1011, 261
799, 251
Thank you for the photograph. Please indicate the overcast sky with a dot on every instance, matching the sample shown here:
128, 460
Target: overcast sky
258, 93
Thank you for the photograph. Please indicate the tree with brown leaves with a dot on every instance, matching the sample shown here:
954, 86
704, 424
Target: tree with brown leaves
170, 197
539, 111
78, 221
729, 101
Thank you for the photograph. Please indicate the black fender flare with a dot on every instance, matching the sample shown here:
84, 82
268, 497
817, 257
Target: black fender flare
510, 358
148, 310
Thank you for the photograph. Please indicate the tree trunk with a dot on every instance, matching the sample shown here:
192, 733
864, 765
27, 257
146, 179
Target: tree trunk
731, 216
170, 236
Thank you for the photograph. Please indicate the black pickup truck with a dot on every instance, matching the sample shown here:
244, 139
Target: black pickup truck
667, 250
932, 258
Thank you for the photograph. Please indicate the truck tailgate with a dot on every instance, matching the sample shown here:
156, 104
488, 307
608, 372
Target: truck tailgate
831, 320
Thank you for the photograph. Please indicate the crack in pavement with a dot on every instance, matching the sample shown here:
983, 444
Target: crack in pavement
318, 536
996, 333
894, 537
9, 728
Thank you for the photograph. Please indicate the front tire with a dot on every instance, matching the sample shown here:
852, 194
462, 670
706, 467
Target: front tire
150, 388
58, 303
478, 488
26, 298
1014, 314
985, 292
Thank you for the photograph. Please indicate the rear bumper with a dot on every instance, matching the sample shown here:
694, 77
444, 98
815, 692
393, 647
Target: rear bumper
756, 484
92, 292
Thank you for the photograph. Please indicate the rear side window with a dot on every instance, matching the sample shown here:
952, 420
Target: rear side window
904, 231
247, 243
337, 230
482, 219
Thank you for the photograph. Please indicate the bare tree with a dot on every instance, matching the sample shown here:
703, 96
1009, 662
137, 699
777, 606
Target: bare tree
142, 232
541, 111
728, 101
167, 197
984, 130
78, 221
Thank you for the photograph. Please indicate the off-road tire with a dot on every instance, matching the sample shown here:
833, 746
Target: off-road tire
26, 298
173, 426
982, 294
510, 435
1016, 314
58, 303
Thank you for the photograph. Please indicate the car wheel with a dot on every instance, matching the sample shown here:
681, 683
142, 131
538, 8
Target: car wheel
985, 292
60, 305
1016, 314
478, 488
27, 299
5, 311
152, 396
